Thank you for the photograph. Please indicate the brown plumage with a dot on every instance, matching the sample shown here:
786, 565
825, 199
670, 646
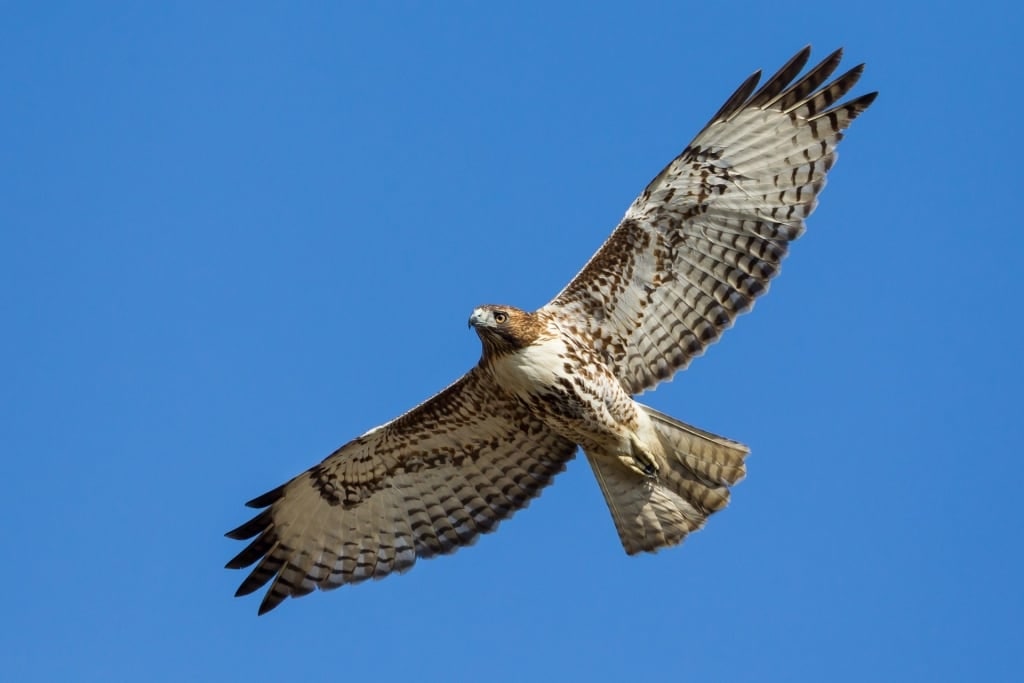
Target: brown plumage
517, 330
694, 250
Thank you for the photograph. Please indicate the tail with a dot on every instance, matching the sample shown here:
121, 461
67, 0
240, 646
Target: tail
693, 480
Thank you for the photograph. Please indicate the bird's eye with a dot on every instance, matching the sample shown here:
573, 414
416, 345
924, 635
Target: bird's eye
500, 317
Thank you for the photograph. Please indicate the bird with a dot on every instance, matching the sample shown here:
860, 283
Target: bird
693, 251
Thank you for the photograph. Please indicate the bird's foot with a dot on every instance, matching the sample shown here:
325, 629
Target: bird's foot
640, 459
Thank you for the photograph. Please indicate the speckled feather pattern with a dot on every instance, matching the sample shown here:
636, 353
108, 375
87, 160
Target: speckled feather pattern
696, 248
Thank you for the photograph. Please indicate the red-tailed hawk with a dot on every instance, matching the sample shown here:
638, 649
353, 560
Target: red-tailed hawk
693, 251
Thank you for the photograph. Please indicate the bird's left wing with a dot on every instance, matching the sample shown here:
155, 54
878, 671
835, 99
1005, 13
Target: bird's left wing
707, 235
423, 484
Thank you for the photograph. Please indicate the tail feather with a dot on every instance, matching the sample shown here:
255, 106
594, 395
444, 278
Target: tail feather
693, 479
712, 457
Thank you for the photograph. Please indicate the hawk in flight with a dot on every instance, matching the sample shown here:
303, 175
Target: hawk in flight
694, 250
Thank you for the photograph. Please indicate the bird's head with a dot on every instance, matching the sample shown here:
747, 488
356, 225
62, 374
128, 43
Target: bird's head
504, 328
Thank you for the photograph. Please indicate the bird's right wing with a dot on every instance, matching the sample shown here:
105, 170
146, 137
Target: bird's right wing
423, 484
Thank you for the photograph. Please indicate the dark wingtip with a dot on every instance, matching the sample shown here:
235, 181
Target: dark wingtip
270, 601
779, 81
254, 526
268, 498
258, 578
236, 562
864, 101
832, 61
737, 99
854, 107
246, 589
254, 551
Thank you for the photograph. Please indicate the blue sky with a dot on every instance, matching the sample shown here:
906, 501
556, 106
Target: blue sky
235, 236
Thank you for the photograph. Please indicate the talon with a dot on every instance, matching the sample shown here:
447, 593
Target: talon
649, 468
642, 461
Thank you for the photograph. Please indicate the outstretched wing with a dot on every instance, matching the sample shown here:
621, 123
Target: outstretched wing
710, 231
424, 484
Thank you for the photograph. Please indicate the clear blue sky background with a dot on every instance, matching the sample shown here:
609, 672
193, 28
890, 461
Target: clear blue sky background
235, 236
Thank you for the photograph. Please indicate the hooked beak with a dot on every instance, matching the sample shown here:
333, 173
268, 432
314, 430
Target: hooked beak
477, 318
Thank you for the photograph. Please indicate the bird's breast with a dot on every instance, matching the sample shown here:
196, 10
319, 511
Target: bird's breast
568, 388
532, 368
